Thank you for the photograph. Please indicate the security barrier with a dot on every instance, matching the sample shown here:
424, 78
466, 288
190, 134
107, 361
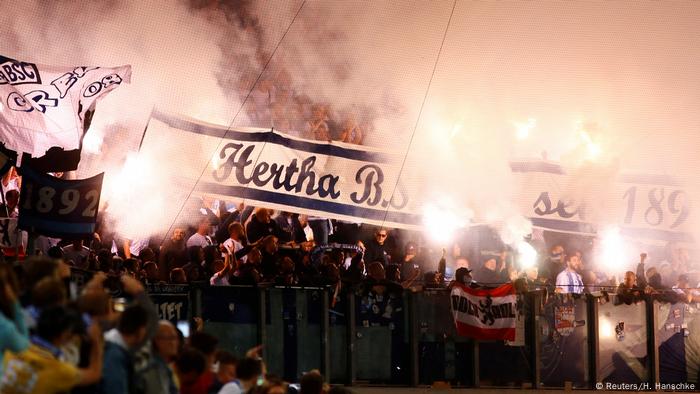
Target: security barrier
390, 336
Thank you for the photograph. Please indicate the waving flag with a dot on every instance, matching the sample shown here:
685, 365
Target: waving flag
484, 314
45, 106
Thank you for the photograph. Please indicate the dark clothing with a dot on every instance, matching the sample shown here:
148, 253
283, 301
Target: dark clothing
221, 234
376, 252
268, 266
487, 277
627, 295
290, 231
257, 229
172, 255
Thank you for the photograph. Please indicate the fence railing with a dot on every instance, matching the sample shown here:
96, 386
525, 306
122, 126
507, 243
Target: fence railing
408, 338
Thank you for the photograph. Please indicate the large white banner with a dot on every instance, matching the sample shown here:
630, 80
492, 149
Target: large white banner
44, 106
351, 182
642, 206
279, 171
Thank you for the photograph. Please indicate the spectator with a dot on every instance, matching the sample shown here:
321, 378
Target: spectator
14, 335
189, 366
158, 377
268, 264
236, 239
488, 275
274, 385
569, 281
76, 253
173, 253
39, 369
248, 372
376, 248
318, 125
9, 209
311, 383
178, 276
290, 229
261, 225
151, 272
225, 370
287, 275
222, 277
201, 238
205, 344
628, 292
554, 264
136, 325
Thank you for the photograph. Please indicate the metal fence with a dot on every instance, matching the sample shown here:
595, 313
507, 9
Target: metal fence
408, 338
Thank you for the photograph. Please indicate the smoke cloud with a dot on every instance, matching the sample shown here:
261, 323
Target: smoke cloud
605, 98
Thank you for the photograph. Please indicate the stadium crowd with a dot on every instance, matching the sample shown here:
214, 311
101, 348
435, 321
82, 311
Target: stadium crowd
56, 339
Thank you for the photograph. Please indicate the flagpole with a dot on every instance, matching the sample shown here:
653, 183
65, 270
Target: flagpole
145, 129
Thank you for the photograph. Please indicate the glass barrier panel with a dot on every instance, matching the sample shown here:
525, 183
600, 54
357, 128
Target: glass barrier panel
678, 337
564, 342
442, 354
338, 321
293, 331
622, 341
231, 313
504, 363
381, 337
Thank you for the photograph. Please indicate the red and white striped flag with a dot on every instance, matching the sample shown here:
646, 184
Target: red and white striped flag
484, 314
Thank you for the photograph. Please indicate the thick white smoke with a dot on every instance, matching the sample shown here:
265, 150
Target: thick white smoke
605, 98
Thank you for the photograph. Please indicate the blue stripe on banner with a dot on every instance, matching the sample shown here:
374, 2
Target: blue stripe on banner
55, 229
663, 180
271, 138
536, 166
651, 233
588, 228
553, 168
310, 203
563, 225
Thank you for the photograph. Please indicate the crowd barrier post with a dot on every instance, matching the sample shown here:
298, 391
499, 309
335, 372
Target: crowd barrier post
412, 340
534, 299
325, 336
196, 301
262, 324
350, 365
652, 342
476, 373
592, 340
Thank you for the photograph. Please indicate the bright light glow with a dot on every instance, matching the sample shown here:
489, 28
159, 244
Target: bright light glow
612, 249
441, 220
605, 328
522, 130
527, 255
594, 150
132, 192
92, 142
456, 129
215, 162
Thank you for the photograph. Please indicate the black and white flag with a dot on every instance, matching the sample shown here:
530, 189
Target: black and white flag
45, 106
